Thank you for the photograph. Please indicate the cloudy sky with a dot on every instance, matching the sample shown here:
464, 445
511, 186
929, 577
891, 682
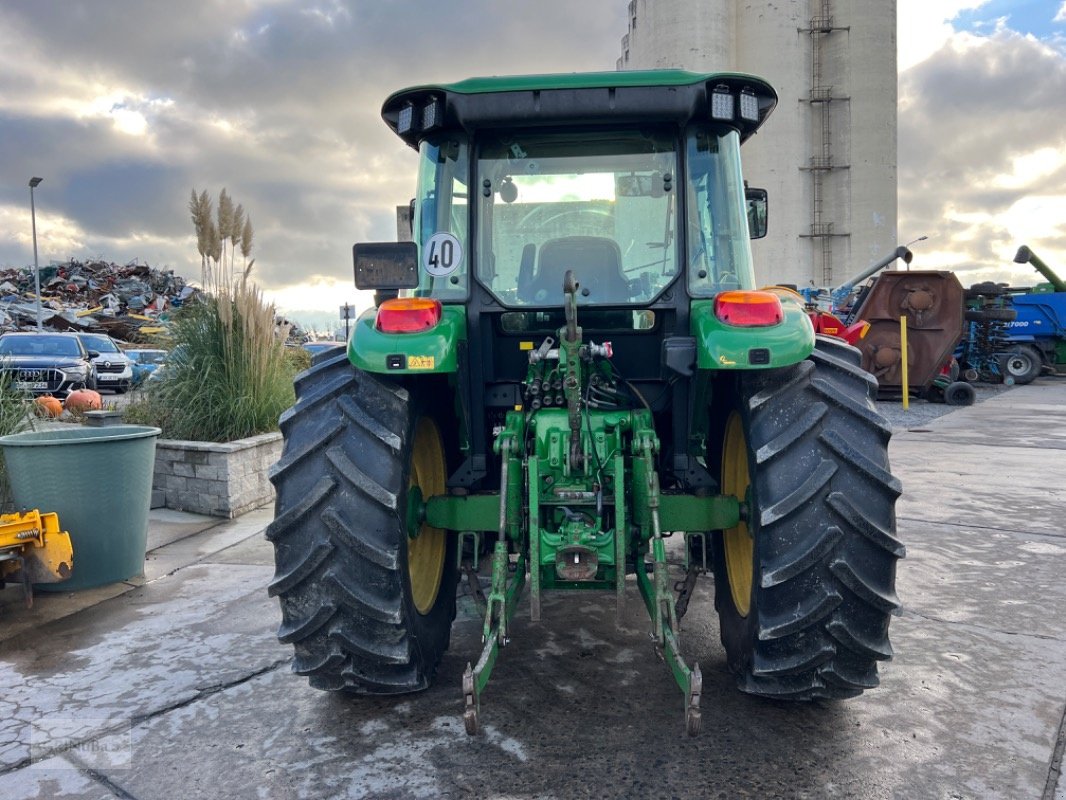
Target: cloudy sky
123, 106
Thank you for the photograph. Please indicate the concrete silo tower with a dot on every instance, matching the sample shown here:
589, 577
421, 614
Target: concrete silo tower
828, 154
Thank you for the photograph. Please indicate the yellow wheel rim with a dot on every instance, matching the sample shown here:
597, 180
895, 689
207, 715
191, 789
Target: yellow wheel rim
426, 551
739, 548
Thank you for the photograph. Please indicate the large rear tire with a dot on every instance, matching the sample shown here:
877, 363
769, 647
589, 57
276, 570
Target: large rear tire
804, 587
367, 591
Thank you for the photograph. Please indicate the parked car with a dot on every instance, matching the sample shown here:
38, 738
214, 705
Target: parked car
314, 348
145, 362
175, 356
114, 369
47, 363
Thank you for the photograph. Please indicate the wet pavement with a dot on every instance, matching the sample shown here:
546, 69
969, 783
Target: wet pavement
174, 686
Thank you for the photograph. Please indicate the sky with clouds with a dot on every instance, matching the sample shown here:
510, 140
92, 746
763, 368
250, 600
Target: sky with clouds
124, 106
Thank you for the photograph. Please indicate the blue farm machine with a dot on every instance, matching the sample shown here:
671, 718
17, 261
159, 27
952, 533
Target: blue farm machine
1037, 334
1014, 334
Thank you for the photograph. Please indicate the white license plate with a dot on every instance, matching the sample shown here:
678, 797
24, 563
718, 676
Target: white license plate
108, 377
31, 385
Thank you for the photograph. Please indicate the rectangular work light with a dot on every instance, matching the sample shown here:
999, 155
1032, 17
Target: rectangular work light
406, 119
721, 103
749, 106
431, 114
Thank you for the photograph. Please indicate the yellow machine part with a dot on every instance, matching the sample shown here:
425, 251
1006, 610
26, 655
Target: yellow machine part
45, 551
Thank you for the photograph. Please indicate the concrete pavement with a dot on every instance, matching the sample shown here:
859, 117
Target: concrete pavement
176, 686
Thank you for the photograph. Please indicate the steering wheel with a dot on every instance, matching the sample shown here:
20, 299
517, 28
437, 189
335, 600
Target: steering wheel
588, 215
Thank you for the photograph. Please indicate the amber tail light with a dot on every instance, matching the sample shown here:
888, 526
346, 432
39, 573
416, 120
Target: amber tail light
408, 315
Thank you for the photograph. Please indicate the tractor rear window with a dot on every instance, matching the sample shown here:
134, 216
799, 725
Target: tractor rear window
440, 223
603, 204
719, 250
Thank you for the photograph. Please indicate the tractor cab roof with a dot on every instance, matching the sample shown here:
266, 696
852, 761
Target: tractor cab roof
599, 98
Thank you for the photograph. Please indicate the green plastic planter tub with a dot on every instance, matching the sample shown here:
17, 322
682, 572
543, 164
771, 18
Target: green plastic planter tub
99, 482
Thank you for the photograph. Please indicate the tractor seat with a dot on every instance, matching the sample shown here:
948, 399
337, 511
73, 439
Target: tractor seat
597, 265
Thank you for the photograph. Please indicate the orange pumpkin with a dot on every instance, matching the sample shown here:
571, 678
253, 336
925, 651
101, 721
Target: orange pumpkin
47, 406
82, 400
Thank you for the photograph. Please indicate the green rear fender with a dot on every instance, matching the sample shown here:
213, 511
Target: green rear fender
432, 351
720, 346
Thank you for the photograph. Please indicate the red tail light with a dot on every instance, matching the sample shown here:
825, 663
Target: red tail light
408, 315
749, 309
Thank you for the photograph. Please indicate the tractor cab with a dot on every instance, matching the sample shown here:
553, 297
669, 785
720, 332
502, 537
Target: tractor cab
639, 192
609, 202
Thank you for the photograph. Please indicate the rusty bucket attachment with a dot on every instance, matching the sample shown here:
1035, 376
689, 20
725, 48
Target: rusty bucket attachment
932, 302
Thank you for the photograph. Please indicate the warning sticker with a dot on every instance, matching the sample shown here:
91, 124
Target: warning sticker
421, 362
442, 255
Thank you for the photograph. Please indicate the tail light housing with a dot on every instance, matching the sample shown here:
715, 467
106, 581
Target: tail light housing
408, 315
749, 309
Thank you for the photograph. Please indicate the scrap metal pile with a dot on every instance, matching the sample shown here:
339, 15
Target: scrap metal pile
132, 303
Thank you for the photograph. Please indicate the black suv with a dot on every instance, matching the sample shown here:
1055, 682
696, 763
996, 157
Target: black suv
46, 363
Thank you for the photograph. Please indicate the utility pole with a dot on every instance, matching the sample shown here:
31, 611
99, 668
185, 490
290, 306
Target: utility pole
34, 183
346, 315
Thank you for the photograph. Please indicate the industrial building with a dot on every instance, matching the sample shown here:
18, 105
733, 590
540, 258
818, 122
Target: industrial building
828, 154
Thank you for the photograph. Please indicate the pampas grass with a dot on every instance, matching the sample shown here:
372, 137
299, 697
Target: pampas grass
228, 376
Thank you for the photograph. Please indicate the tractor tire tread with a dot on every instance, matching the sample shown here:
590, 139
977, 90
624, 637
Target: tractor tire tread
796, 665
857, 459
343, 533
853, 517
826, 549
812, 609
818, 478
298, 629
828, 391
340, 573
879, 650
794, 433
799, 559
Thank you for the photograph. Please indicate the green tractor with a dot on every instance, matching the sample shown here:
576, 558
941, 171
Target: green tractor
567, 364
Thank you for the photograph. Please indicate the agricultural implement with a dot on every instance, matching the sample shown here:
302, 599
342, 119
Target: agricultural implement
839, 320
848, 296
927, 307
567, 363
1036, 337
827, 323
1014, 333
984, 352
33, 550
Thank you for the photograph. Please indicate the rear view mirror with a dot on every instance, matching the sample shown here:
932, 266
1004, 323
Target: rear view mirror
386, 265
758, 211
644, 184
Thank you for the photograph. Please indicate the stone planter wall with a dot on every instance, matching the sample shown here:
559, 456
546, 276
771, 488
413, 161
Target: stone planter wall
221, 480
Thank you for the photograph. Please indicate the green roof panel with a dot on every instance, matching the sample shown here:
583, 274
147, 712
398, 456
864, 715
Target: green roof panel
572, 99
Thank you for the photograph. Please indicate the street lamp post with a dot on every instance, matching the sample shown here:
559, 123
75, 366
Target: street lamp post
34, 183
908, 244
